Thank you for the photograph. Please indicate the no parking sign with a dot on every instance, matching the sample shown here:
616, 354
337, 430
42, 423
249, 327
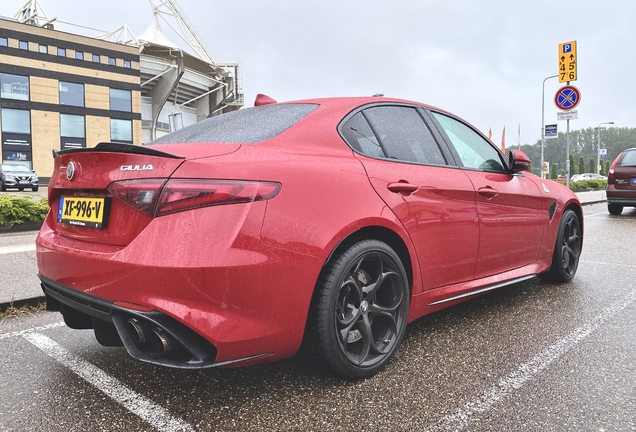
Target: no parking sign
567, 97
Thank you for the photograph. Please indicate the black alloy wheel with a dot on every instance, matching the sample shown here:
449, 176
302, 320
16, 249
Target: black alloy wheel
567, 250
360, 309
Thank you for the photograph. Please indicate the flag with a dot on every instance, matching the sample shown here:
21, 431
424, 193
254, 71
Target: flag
503, 140
490, 134
519, 138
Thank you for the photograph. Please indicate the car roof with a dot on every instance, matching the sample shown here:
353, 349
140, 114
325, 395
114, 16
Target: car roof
355, 101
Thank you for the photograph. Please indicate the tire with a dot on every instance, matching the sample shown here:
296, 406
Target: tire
3, 187
360, 309
615, 209
35, 189
567, 249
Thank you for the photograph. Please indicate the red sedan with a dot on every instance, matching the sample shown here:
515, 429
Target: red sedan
337, 221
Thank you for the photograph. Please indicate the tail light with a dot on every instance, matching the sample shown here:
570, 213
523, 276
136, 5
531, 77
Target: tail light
610, 174
158, 197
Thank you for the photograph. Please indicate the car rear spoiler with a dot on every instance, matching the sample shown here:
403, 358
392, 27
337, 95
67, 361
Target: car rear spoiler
118, 148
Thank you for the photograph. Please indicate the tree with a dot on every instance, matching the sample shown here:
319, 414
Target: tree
573, 169
581, 165
554, 171
592, 166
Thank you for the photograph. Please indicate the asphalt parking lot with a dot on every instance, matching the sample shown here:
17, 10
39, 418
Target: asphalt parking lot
534, 356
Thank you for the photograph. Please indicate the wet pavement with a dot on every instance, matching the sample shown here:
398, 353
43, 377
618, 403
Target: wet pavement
530, 357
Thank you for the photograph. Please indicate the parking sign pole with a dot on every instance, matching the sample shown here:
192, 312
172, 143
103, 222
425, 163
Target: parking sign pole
543, 121
567, 156
598, 150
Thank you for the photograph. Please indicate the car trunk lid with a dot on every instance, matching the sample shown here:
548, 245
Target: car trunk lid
82, 205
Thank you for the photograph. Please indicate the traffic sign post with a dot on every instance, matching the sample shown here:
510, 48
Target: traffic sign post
567, 61
568, 97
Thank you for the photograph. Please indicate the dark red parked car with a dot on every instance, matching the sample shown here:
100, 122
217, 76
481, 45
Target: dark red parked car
334, 221
621, 182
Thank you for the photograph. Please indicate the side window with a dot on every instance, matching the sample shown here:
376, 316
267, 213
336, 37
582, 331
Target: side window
357, 133
474, 151
403, 135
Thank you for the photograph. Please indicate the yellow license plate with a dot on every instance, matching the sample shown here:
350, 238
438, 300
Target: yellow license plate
84, 211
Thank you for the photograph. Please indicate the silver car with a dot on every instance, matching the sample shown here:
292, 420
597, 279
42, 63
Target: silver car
17, 176
587, 176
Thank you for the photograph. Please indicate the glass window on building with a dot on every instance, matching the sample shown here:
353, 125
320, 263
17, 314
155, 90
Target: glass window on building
71, 94
79, 55
111, 61
14, 87
4, 41
121, 130
43, 48
72, 132
23, 45
127, 64
61, 52
120, 100
95, 58
72, 126
16, 121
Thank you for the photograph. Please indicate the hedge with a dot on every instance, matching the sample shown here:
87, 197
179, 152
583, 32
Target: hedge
17, 210
587, 185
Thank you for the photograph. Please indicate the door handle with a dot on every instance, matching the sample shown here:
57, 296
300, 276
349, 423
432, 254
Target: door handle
402, 186
488, 192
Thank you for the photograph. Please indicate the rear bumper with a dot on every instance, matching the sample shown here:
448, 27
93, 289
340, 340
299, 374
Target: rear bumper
247, 300
144, 341
622, 197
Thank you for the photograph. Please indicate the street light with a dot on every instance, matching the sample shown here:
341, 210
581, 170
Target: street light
598, 150
543, 121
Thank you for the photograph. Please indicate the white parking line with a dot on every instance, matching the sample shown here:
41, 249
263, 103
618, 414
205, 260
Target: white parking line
497, 393
31, 330
137, 404
15, 249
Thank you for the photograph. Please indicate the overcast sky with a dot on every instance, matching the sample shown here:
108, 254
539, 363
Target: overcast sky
482, 60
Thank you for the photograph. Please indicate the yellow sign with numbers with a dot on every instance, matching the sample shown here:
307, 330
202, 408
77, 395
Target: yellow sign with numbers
567, 61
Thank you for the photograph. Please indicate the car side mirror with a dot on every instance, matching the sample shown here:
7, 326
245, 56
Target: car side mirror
518, 161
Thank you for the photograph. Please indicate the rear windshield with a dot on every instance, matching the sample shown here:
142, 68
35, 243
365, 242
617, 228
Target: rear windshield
629, 159
247, 125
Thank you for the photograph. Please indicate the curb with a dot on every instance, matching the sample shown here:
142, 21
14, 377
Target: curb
26, 226
34, 301
593, 202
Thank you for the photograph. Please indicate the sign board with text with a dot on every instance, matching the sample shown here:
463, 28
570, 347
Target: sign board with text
551, 131
568, 115
567, 61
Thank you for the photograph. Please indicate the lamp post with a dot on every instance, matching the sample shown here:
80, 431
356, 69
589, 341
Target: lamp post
598, 150
543, 120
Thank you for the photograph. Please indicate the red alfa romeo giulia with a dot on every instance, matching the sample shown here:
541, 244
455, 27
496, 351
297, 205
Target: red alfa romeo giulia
334, 221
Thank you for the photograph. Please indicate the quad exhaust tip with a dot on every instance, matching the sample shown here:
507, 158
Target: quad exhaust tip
159, 342
136, 331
